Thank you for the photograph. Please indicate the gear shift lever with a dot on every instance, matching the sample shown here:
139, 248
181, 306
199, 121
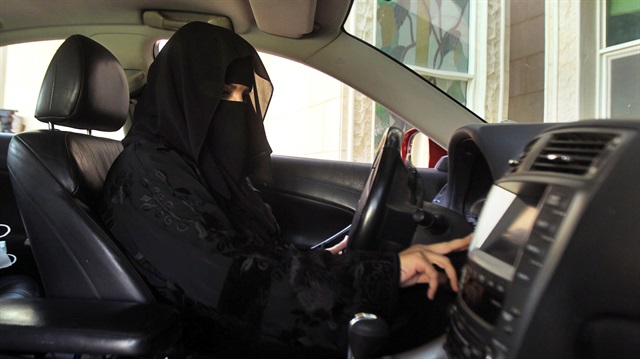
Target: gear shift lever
368, 336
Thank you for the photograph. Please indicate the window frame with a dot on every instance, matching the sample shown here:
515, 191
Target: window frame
606, 55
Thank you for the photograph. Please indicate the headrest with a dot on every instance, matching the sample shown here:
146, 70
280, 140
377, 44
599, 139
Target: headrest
84, 87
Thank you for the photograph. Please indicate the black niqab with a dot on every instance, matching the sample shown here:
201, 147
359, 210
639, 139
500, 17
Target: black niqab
182, 108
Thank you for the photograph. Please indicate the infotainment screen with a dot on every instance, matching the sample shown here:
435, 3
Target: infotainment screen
504, 225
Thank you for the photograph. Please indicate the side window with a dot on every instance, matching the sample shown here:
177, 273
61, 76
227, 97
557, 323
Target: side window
22, 68
620, 59
316, 116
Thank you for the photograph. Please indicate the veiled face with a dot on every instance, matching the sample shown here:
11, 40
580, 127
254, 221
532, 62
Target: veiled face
234, 92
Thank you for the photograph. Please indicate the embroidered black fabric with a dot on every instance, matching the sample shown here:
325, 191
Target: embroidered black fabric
263, 291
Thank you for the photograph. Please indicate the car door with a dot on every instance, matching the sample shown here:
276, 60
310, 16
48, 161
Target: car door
323, 134
314, 199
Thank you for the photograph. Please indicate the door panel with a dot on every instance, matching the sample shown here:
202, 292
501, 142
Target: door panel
314, 199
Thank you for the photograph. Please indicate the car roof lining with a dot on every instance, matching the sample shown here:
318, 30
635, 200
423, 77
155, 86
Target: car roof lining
323, 49
445, 114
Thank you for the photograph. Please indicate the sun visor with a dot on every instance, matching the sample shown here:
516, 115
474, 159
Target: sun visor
288, 18
173, 20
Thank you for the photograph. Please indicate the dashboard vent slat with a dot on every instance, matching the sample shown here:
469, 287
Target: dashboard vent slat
515, 163
572, 153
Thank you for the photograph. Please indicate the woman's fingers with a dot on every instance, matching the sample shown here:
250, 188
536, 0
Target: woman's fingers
338, 248
417, 266
451, 246
444, 263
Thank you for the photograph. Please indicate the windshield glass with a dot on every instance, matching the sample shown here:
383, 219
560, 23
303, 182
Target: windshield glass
519, 60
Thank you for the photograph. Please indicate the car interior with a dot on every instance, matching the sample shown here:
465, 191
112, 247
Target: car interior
551, 271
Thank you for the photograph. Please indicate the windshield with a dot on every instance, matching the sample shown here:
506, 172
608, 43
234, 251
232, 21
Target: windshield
520, 60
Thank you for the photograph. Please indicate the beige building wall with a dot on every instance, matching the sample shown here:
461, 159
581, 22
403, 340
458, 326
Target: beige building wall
527, 61
305, 112
19, 89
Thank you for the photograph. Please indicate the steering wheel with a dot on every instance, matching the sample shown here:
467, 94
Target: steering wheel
368, 219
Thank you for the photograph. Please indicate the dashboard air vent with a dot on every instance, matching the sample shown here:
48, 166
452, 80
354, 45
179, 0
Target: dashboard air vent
515, 163
572, 153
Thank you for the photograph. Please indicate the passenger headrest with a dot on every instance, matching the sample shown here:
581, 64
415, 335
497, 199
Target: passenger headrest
84, 87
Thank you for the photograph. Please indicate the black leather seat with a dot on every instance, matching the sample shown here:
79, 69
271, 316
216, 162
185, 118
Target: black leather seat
58, 176
95, 302
18, 286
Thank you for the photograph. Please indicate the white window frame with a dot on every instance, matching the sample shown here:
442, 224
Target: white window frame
606, 55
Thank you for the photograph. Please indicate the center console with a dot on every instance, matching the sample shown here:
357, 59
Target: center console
549, 272
506, 255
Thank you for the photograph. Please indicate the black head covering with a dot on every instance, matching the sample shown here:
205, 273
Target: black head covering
182, 109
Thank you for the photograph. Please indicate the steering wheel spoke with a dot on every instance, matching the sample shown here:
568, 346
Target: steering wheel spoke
368, 220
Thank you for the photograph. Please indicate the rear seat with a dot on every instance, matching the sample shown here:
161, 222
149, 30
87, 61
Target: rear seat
20, 279
9, 213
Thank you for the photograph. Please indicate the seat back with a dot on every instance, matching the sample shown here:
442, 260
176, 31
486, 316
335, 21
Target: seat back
58, 177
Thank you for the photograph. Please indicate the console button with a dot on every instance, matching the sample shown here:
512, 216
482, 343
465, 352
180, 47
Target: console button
508, 317
540, 239
546, 237
527, 269
533, 249
537, 248
547, 223
508, 329
559, 198
499, 345
515, 311
523, 277
553, 199
481, 278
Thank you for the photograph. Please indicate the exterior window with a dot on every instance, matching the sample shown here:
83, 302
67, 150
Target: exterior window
623, 21
22, 68
624, 85
432, 38
316, 116
620, 59
429, 37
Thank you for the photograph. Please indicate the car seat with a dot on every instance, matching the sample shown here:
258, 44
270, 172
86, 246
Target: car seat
58, 176
18, 286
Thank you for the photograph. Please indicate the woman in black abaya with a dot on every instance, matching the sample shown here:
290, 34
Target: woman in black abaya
179, 201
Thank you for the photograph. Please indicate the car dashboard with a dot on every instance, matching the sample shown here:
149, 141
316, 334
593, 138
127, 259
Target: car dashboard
478, 155
551, 270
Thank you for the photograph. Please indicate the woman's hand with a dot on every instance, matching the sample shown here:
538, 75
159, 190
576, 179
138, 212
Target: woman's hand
417, 264
338, 248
